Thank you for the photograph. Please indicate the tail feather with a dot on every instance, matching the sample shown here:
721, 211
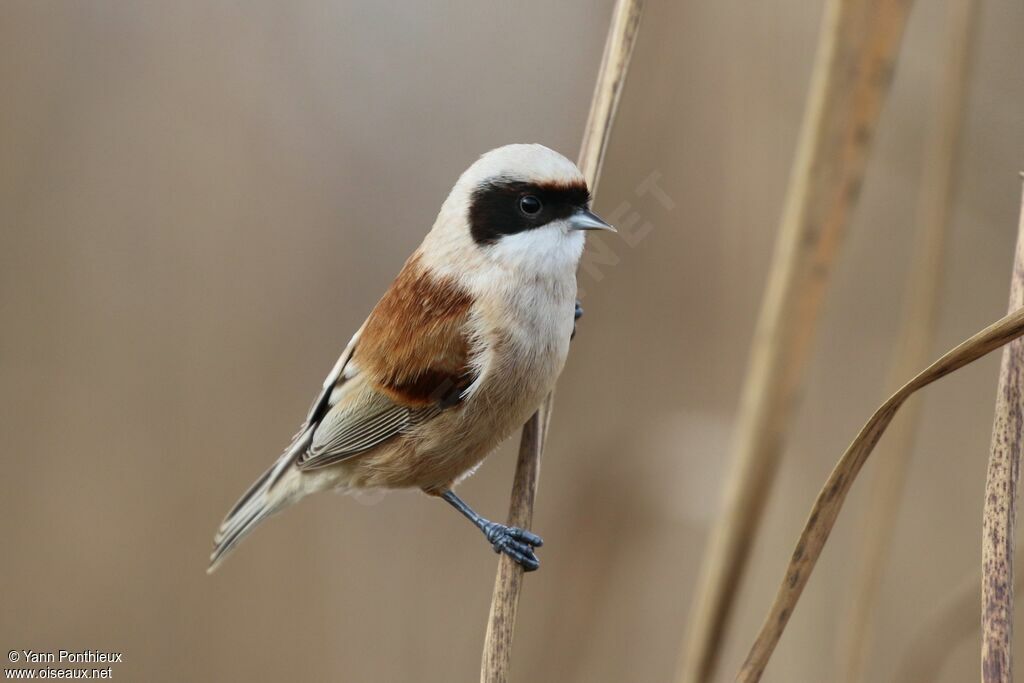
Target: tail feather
267, 495
227, 542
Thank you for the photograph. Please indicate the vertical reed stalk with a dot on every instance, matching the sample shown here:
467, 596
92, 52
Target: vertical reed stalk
618, 49
853, 70
1000, 512
914, 340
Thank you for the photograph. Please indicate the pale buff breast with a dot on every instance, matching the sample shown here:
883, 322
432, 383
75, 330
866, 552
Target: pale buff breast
520, 349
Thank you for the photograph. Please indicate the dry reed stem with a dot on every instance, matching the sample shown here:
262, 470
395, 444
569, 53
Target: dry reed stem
830, 499
914, 339
1000, 512
852, 73
501, 623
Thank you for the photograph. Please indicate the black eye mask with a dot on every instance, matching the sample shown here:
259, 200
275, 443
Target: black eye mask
496, 209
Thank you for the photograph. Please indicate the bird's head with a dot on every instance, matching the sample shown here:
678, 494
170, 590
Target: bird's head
524, 207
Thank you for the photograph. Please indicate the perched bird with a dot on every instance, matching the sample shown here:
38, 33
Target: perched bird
457, 354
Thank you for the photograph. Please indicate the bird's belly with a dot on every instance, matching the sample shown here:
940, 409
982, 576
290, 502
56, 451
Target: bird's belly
443, 450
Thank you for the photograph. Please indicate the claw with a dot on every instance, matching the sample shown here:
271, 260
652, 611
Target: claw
516, 543
525, 536
519, 552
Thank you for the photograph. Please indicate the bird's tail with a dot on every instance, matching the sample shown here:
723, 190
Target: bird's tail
272, 491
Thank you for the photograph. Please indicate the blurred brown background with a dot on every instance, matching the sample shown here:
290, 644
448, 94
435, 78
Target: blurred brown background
200, 202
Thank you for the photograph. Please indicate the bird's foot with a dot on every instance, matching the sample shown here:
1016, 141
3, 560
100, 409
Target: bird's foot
517, 543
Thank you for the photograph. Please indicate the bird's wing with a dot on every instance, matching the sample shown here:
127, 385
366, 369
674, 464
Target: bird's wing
410, 363
407, 363
302, 439
354, 427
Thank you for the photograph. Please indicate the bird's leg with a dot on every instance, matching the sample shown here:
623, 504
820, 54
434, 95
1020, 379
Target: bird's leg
576, 316
515, 542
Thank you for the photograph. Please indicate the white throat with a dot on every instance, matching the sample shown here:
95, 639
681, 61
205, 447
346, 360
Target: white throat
551, 251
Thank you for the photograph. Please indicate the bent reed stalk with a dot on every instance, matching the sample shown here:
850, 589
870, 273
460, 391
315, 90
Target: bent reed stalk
832, 495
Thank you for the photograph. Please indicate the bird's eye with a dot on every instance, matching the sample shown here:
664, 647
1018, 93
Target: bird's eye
530, 205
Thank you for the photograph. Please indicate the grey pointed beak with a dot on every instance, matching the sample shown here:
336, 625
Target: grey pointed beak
587, 220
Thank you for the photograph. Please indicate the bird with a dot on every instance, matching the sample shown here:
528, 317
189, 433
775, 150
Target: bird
458, 353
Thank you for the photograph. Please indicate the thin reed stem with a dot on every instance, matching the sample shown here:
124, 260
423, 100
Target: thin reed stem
618, 49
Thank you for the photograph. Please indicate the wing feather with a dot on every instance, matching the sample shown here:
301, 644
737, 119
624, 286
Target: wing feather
412, 362
353, 428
